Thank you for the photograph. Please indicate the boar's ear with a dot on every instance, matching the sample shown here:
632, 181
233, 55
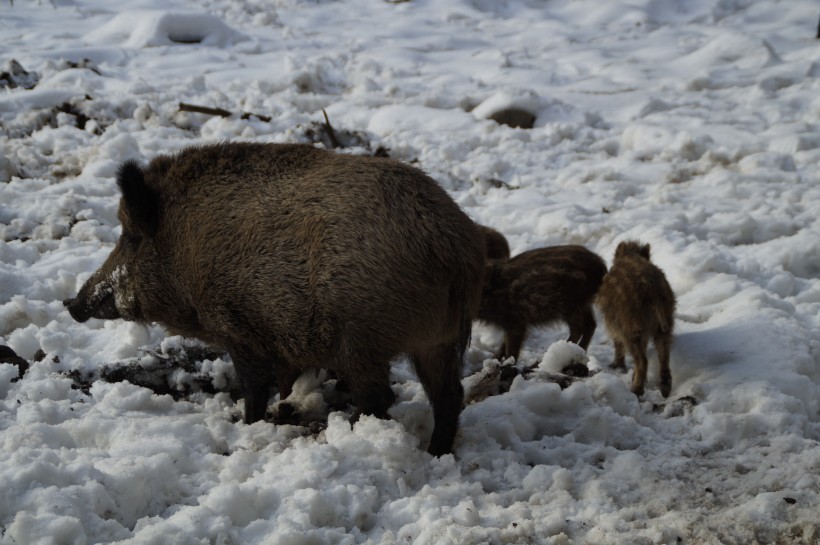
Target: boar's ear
141, 201
644, 250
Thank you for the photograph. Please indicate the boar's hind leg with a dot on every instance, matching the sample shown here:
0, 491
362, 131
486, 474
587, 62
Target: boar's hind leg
439, 370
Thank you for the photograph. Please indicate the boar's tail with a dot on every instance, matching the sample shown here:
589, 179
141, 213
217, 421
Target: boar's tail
664, 321
463, 308
465, 331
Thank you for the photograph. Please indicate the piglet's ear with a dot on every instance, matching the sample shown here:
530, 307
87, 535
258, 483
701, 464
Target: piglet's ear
141, 202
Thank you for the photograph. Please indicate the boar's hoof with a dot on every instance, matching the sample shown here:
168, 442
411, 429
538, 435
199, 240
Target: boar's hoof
286, 413
439, 447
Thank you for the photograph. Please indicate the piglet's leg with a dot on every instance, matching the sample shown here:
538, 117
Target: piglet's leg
637, 347
620, 359
662, 344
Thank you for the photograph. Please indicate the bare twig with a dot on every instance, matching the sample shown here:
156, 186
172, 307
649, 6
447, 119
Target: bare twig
185, 107
260, 117
330, 132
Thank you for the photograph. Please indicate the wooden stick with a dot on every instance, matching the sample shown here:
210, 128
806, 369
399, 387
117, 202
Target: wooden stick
185, 107
330, 132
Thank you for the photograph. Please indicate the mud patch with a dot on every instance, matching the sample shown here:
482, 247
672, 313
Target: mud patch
180, 372
332, 138
676, 407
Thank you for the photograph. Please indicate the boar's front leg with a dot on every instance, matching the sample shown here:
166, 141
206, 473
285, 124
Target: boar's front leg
637, 347
367, 373
256, 376
286, 376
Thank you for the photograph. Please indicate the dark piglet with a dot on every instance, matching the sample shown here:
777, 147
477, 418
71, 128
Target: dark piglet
539, 287
638, 304
295, 258
496, 243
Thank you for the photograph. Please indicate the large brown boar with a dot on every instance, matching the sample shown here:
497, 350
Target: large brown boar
638, 304
292, 258
542, 286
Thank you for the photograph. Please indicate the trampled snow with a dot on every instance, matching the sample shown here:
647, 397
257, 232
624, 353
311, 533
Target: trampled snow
693, 126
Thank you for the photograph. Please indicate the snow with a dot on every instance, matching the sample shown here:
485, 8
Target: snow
692, 126
159, 27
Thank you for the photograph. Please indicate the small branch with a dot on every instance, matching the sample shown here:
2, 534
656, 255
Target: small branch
185, 107
330, 132
260, 117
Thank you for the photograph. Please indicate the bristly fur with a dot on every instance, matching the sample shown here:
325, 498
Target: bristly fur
539, 287
628, 247
293, 258
638, 305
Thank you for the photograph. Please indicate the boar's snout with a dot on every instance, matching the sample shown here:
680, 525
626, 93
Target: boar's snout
101, 304
78, 311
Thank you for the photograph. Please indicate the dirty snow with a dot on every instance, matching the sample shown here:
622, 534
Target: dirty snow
693, 126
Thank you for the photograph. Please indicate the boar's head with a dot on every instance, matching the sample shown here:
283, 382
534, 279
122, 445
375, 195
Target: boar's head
114, 290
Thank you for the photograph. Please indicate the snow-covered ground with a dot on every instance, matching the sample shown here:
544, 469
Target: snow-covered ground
693, 125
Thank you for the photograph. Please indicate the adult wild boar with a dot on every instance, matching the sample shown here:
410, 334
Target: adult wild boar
291, 258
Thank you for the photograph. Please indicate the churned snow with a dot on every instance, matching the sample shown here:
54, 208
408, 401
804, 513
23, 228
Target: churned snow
691, 125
